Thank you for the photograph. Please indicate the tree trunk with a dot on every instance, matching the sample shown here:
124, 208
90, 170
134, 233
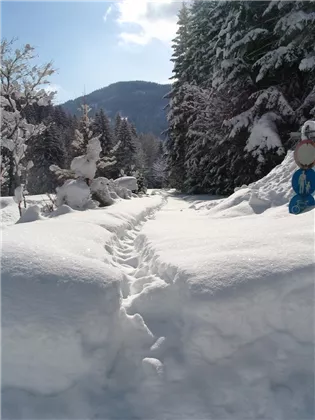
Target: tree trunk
11, 184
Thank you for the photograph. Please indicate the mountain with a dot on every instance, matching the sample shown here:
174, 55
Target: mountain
142, 102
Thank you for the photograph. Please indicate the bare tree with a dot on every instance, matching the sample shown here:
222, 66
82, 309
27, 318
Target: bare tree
21, 86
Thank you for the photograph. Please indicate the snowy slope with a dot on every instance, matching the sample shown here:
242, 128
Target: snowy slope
272, 190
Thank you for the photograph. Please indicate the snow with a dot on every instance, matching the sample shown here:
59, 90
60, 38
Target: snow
31, 214
74, 193
307, 64
264, 135
204, 311
233, 299
100, 186
9, 212
18, 194
85, 166
128, 182
308, 127
63, 328
272, 190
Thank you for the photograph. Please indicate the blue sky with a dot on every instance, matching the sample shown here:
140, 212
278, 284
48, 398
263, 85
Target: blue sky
94, 44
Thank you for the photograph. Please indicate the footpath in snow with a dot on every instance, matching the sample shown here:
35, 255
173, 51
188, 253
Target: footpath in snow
166, 307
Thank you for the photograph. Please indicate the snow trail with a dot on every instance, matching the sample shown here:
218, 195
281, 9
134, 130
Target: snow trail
174, 394
126, 256
205, 337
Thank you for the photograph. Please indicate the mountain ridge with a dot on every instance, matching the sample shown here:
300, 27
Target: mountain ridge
141, 101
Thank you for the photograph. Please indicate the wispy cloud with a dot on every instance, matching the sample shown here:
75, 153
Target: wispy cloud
142, 21
107, 13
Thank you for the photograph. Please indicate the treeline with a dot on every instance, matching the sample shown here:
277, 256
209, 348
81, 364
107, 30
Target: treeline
243, 80
55, 145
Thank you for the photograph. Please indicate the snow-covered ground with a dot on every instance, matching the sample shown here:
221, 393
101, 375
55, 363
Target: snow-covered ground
165, 307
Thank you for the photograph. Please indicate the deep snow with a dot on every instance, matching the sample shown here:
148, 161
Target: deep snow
165, 307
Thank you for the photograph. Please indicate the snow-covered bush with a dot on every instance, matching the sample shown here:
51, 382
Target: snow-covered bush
76, 194
100, 192
85, 166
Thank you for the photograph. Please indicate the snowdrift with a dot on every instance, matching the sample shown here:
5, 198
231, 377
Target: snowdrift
64, 331
9, 212
271, 191
233, 299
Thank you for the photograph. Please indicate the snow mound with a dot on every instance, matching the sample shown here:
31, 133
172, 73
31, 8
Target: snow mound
128, 182
63, 209
232, 301
99, 188
75, 193
31, 214
65, 336
9, 212
271, 191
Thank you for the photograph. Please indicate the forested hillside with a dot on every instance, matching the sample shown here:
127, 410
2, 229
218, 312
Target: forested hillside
40, 141
142, 102
244, 75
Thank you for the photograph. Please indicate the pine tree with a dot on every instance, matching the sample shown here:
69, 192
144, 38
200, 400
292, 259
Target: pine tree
205, 21
126, 152
276, 56
177, 118
45, 150
117, 123
243, 80
101, 125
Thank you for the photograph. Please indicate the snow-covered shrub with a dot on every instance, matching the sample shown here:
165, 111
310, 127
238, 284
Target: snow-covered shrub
85, 166
75, 193
100, 191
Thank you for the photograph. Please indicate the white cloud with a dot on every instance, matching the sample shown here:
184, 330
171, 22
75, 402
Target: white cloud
107, 13
61, 95
147, 20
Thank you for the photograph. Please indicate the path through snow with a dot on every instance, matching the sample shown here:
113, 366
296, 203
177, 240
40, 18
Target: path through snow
171, 392
231, 312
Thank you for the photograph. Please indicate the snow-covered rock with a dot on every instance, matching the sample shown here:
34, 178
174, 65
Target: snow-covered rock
129, 182
99, 187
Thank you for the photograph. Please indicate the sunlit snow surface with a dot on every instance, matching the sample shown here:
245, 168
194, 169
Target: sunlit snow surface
165, 307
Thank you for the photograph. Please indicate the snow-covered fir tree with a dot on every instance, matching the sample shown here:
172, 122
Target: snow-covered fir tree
127, 150
46, 149
101, 125
254, 62
117, 123
177, 117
